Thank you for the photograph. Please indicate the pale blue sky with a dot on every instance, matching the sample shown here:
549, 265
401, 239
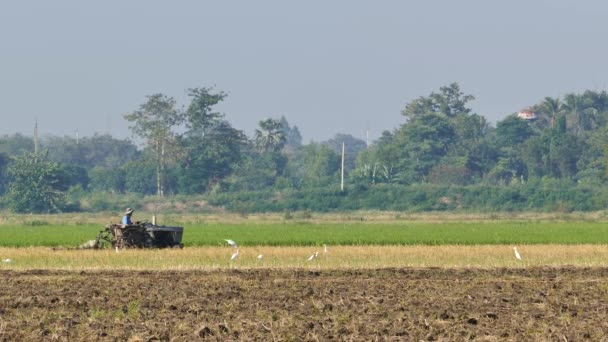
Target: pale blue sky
328, 66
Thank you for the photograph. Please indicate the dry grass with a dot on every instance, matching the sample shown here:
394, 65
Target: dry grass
337, 257
338, 217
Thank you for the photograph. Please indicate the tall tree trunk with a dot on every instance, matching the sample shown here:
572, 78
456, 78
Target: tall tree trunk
162, 168
158, 171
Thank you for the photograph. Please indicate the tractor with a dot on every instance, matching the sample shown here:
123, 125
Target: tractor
140, 235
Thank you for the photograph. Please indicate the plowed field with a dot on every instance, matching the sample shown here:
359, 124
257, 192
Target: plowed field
561, 304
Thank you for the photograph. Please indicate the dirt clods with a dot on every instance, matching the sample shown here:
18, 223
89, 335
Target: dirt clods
300, 305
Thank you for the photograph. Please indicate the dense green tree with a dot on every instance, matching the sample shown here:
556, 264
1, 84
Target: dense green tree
4, 162
512, 131
450, 174
293, 138
555, 153
580, 114
107, 179
352, 147
450, 101
200, 116
593, 161
598, 101
321, 165
256, 171
210, 158
155, 121
509, 169
64, 150
564, 153
269, 140
548, 111
470, 148
535, 154
34, 185
140, 177
211, 146
98, 150
378, 163
270, 136
424, 140
16, 145
72, 175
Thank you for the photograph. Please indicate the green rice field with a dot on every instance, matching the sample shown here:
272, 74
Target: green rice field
315, 234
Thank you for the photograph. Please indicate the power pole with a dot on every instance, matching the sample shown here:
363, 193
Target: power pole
342, 172
36, 137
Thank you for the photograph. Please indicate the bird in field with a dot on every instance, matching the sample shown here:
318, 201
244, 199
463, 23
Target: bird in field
324, 248
260, 257
313, 256
231, 243
235, 255
517, 256
7, 260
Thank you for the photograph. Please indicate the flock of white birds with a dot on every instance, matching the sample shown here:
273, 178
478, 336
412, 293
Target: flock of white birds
235, 255
312, 257
315, 255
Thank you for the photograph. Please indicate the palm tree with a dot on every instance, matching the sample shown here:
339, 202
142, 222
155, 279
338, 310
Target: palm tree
550, 108
270, 136
581, 115
598, 102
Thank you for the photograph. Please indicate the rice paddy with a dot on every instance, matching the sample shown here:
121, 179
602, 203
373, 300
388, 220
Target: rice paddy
337, 257
373, 241
344, 234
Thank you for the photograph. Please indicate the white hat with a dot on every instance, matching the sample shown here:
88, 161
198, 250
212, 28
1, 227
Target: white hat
129, 211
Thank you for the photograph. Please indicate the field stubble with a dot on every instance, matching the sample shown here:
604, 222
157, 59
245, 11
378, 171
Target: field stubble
432, 304
336, 257
337, 217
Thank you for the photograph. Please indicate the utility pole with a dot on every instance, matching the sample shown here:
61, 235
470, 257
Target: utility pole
342, 172
36, 137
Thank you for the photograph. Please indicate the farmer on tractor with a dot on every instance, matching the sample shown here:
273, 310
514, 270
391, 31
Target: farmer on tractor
138, 234
126, 220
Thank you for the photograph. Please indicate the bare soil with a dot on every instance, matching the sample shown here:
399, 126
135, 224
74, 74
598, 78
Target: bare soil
431, 304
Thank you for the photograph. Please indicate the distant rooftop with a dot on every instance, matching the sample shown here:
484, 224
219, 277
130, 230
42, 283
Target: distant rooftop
527, 114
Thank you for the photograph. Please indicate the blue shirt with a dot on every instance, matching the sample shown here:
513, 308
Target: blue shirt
126, 219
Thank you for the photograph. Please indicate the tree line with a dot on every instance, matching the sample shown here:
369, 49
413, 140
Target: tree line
442, 157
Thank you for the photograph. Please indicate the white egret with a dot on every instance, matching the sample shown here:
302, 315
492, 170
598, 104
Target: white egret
260, 257
313, 256
235, 255
517, 256
7, 260
231, 243
324, 248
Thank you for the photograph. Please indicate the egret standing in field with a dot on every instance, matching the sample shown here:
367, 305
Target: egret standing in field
235, 255
517, 256
324, 248
231, 243
313, 256
7, 260
260, 257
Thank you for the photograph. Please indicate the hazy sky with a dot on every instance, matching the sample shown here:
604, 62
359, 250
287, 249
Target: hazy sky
329, 67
